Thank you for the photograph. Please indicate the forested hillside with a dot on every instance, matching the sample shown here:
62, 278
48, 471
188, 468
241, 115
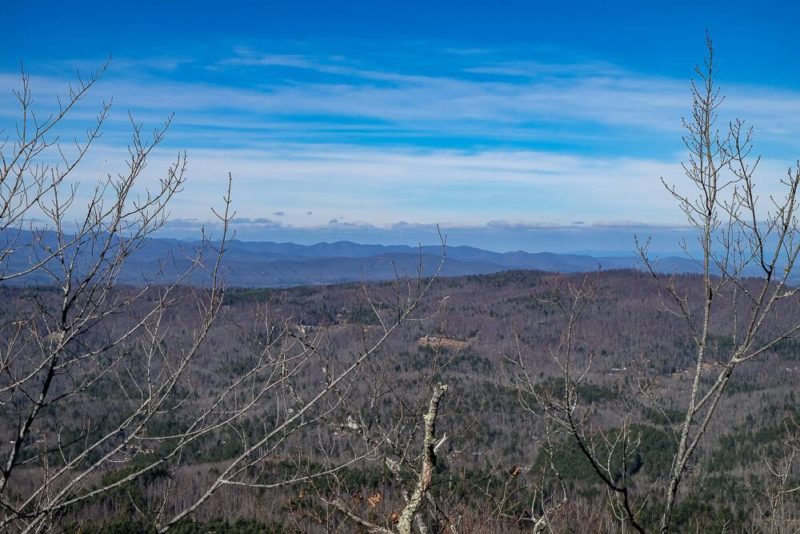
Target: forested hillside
500, 464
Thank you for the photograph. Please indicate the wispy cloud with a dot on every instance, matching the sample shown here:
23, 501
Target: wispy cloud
589, 106
245, 57
312, 138
309, 185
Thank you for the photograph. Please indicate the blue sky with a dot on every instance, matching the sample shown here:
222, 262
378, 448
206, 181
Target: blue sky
510, 124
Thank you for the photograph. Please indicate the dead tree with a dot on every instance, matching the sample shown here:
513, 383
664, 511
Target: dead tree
409, 515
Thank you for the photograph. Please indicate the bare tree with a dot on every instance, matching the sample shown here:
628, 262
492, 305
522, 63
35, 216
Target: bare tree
50, 359
124, 361
748, 247
558, 406
773, 496
409, 515
738, 238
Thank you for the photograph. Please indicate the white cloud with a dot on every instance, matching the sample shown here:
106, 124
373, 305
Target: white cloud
567, 102
308, 149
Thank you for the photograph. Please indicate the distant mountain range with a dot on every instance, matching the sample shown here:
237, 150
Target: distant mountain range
268, 264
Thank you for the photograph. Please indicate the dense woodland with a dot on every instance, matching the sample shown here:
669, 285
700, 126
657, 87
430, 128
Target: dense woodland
495, 463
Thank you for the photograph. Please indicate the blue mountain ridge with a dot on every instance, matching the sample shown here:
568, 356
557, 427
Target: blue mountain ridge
270, 264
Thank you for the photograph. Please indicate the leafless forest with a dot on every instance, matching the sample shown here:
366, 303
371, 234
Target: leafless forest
501, 464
